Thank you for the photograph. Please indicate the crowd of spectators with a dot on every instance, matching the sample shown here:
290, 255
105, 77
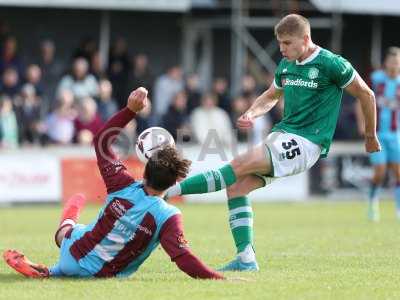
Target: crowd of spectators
53, 101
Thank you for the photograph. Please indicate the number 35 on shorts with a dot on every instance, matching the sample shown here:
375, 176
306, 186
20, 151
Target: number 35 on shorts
292, 149
290, 153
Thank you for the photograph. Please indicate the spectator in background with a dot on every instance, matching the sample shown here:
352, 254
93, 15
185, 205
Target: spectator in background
10, 84
220, 89
107, 106
96, 67
4, 33
139, 75
193, 92
8, 124
165, 88
176, 119
249, 87
52, 70
87, 47
33, 76
80, 82
9, 57
88, 121
118, 68
28, 115
60, 123
208, 119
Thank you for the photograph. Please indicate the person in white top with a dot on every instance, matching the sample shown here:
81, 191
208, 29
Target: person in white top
211, 123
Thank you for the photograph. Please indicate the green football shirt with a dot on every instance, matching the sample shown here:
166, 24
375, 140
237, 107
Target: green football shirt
312, 91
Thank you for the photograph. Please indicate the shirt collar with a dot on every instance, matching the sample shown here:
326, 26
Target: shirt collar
310, 58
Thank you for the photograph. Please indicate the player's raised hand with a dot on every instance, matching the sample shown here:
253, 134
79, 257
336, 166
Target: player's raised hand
372, 144
137, 100
245, 121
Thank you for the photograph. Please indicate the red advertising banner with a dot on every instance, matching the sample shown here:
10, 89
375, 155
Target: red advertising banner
81, 175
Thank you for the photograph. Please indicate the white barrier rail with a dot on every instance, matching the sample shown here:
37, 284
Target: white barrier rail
34, 174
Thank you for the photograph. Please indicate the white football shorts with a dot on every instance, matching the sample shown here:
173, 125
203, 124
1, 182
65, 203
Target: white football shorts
290, 153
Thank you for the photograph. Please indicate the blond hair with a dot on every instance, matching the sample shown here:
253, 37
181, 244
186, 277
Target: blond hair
293, 24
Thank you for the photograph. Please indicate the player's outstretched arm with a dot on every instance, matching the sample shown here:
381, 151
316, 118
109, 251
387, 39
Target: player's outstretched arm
263, 104
359, 118
173, 241
360, 90
111, 169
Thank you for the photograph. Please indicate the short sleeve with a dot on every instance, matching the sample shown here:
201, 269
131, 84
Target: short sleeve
342, 72
278, 76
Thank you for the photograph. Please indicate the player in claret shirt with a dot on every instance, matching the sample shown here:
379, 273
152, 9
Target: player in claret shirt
311, 80
133, 221
386, 85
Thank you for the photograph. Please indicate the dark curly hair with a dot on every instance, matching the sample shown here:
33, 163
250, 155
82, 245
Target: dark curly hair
164, 168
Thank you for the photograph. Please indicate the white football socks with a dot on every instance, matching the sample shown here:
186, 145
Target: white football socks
247, 255
67, 222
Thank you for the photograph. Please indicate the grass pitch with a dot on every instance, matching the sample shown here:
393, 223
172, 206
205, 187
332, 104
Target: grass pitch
315, 250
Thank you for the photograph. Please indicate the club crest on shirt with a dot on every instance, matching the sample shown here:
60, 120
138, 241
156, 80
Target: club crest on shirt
313, 73
117, 209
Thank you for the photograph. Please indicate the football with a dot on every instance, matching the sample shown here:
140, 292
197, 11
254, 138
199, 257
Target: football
151, 140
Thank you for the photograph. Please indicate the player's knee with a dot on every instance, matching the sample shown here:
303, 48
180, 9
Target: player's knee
61, 233
235, 190
240, 188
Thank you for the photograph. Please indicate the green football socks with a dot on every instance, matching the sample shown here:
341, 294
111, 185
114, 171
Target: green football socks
206, 182
241, 222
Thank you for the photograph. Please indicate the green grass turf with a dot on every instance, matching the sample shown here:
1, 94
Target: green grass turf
315, 250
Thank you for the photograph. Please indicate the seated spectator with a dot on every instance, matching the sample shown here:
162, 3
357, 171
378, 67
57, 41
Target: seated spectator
176, 120
165, 88
9, 56
220, 89
8, 124
106, 104
210, 119
10, 84
28, 115
80, 82
86, 48
52, 69
96, 66
249, 87
60, 123
193, 92
33, 76
139, 75
118, 69
88, 121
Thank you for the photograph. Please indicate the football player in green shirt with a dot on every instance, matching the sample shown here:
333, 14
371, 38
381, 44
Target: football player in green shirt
311, 80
